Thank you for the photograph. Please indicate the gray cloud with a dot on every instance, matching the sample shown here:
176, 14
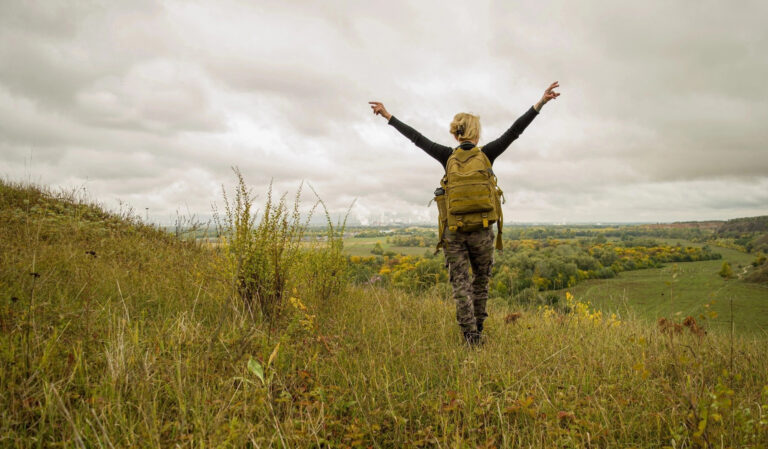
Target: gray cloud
662, 114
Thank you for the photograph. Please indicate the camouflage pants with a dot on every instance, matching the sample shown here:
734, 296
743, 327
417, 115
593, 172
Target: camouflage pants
462, 251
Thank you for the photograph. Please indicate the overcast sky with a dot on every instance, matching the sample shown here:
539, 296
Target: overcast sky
662, 116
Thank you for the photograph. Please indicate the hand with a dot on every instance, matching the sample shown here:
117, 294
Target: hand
379, 109
549, 94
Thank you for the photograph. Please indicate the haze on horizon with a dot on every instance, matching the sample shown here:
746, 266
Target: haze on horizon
662, 114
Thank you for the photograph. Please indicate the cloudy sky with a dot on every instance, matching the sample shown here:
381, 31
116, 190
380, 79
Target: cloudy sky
662, 116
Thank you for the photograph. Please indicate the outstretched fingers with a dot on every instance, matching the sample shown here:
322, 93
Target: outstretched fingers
550, 93
377, 107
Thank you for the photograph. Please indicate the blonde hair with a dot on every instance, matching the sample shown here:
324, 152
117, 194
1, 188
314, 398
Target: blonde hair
466, 127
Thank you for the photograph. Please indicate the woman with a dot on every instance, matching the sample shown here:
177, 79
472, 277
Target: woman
475, 248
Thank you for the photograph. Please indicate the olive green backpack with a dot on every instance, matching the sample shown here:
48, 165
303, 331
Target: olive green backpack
468, 198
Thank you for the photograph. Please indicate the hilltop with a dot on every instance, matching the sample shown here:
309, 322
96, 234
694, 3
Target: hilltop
743, 225
705, 225
117, 334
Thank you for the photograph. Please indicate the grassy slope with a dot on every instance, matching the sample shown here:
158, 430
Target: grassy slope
654, 293
142, 345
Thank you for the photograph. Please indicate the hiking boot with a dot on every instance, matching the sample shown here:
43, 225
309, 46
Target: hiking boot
472, 338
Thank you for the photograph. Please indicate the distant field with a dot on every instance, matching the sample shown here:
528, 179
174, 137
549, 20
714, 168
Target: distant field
363, 246
653, 293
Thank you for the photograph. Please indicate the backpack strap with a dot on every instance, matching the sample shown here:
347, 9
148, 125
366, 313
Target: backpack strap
440, 231
500, 221
499, 224
440, 225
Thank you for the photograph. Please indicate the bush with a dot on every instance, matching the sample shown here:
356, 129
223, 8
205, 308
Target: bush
551, 299
726, 272
262, 255
268, 260
606, 273
360, 273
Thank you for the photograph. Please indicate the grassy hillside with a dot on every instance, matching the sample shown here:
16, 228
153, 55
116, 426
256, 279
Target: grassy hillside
749, 234
114, 334
743, 225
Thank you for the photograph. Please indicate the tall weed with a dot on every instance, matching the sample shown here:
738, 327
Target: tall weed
262, 255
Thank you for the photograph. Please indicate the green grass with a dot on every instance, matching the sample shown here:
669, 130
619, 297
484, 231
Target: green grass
144, 344
685, 289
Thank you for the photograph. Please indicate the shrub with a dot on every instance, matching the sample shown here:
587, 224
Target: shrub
726, 272
551, 298
606, 273
261, 255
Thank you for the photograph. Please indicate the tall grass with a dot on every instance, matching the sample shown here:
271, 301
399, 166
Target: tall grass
325, 265
130, 337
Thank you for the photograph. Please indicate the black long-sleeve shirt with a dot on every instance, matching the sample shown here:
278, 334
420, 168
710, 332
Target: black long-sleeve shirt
492, 149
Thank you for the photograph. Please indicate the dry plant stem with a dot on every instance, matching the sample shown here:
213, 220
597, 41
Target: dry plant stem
30, 318
730, 365
122, 300
31, 311
67, 415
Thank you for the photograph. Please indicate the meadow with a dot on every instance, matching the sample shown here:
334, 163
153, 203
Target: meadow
686, 289
117, 334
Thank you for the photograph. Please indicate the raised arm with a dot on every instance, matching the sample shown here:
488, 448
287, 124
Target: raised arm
437, 151
498, 146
